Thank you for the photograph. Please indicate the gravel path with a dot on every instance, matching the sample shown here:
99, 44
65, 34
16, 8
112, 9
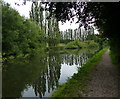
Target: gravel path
105, 80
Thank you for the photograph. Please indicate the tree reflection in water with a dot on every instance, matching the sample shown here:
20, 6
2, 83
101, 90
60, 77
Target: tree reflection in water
50, 77
42, 73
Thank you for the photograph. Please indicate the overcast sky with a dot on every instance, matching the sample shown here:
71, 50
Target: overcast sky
24, 11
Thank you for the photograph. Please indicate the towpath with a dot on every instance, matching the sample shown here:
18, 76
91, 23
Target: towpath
105, 80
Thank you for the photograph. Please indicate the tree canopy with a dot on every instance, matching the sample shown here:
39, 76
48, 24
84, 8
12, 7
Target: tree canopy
20, 35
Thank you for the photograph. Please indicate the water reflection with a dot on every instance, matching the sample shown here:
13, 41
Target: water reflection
39, 76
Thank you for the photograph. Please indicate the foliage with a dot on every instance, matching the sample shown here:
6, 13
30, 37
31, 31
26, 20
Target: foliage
114, 60
75, 45
90, 44
20, 35
36, 13
99, 39
65, 41
49, 25
76, 84
91, 41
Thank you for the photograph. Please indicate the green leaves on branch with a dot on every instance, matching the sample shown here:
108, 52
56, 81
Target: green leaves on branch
20, 35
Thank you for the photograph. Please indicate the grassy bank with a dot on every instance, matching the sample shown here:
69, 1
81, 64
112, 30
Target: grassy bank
76, 85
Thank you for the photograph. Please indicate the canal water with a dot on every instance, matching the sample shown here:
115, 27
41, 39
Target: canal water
41, 74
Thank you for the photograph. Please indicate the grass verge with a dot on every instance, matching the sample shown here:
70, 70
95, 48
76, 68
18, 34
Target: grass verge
76, 85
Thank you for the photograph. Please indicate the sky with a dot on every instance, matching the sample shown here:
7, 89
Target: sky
24, 11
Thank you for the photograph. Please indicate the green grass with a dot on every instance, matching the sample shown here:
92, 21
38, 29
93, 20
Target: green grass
77, 83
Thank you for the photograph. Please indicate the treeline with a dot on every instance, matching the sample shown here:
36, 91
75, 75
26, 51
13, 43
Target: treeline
23, 36
40, 15
76, 34
80, 38
20, 35
91, 41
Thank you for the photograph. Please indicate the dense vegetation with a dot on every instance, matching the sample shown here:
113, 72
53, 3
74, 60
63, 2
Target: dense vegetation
20, 35
92, 41
78, 45
23, 36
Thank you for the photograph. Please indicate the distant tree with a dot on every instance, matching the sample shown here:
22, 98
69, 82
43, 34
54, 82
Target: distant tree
36, 13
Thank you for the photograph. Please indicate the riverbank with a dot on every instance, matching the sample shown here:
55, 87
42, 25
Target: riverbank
76, 85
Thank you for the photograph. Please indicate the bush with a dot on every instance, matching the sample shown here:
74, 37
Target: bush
75, 45
78, 45
92, 44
